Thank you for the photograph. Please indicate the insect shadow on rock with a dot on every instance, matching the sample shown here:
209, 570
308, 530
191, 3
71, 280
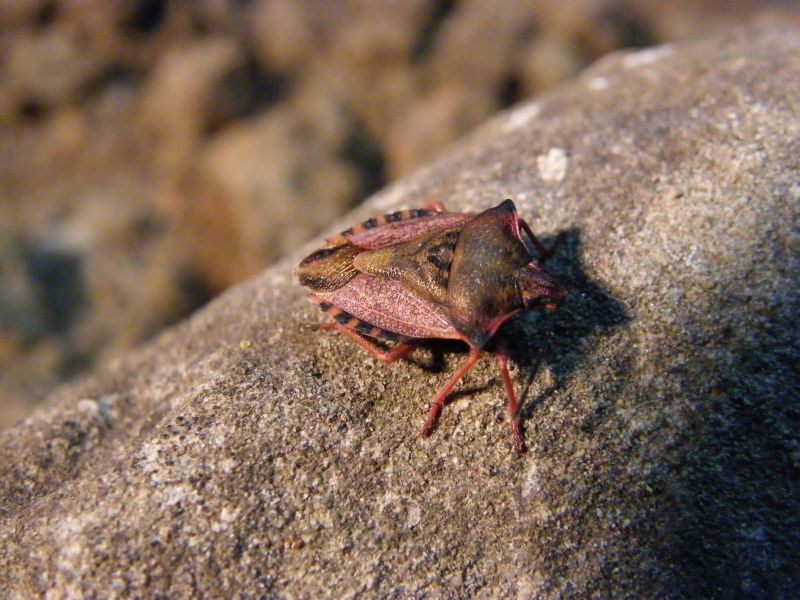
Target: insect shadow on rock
557, 339
427, 273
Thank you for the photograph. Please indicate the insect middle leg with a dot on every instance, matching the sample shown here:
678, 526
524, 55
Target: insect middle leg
383, 355
438, 401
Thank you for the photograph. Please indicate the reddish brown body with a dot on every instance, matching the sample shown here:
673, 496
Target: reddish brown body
426, 273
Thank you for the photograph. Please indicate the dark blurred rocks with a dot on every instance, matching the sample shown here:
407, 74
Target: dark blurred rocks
170, 149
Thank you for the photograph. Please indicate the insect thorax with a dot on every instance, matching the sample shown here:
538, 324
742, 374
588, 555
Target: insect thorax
422, 264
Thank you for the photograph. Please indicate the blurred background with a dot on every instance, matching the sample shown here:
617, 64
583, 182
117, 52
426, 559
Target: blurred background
155, 152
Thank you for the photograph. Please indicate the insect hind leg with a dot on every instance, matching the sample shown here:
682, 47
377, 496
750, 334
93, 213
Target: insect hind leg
436, 205
357, 330
392, 354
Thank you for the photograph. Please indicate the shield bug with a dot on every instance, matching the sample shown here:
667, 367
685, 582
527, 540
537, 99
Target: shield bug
428, 273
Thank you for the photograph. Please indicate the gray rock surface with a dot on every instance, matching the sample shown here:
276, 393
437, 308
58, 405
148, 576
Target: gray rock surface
212, 123
246, 452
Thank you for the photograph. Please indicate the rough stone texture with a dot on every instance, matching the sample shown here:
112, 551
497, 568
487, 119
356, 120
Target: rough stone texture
247, 452
212, 124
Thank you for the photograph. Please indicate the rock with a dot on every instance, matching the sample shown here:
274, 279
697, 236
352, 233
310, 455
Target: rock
151, 103
177, 102
246, 452
46, 70
253, 210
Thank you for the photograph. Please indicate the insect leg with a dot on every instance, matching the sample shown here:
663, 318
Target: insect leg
544, 251
436, 205
513, 409
387, 356
438, 402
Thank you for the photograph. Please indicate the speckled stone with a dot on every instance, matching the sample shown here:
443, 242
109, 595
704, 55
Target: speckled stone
248, 453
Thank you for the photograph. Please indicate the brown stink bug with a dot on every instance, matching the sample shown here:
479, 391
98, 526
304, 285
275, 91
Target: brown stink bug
428, 273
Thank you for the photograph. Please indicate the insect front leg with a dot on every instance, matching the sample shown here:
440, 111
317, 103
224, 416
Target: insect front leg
438, 401
544, 251
387, 356
513, 408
